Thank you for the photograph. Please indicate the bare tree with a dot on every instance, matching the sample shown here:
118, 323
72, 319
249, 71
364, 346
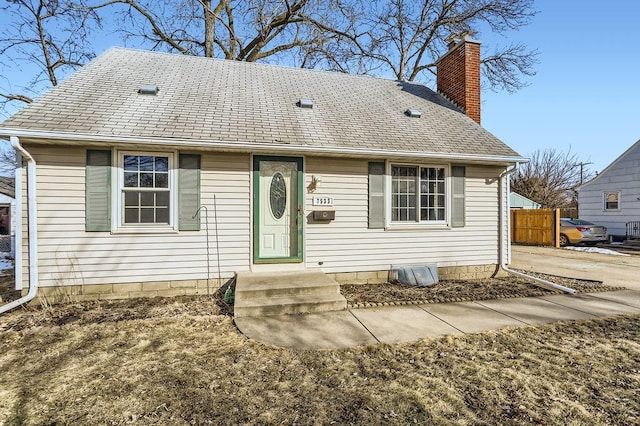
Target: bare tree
550, 178
406, 37
49, 34
400, 37
403, 37
7, 160
244, 30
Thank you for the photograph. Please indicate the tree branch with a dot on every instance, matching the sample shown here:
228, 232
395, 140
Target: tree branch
21, 98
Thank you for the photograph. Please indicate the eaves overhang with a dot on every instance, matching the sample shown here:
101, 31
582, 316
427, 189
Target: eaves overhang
44, 137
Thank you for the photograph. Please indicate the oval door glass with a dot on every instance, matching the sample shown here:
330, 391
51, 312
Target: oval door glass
278, 195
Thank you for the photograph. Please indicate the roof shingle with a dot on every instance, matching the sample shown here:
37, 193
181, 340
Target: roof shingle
205, 99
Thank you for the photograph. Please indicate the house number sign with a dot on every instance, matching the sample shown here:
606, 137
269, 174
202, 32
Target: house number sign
322, 201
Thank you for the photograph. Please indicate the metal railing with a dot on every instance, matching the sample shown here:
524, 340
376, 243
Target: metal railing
633, 229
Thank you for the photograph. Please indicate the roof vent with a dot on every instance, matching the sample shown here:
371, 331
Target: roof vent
413, 113
148, 89
305, 103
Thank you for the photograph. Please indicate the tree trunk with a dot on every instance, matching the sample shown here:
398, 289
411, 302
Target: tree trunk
209, 28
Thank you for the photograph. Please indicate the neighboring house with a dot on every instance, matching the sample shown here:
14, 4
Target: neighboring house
612, 198
7, 214
518, 201
297, 168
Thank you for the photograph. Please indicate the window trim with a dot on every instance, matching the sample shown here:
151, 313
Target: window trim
118, 225
442, 224
604, 201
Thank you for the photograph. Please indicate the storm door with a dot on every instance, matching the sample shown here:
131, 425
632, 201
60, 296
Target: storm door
278, 220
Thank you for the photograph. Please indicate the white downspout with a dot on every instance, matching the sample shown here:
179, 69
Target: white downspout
501, 253
17, 234
33, 227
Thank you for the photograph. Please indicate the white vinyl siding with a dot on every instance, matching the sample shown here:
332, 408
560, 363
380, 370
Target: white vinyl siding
622, 176
70, 256
347, 244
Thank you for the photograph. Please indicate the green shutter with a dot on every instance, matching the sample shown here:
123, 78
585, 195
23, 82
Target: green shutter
457, 178
189, 192
98, 191
376, 195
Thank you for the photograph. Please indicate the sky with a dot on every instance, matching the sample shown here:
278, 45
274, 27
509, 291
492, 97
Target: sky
585, 96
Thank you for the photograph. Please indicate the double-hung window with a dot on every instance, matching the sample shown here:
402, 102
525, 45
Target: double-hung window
611, 201
418, 194
140, 191
146, 188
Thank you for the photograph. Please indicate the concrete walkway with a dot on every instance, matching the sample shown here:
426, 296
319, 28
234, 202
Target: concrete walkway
338, 329
414, 322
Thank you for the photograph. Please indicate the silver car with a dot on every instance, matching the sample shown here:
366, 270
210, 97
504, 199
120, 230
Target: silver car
577, 231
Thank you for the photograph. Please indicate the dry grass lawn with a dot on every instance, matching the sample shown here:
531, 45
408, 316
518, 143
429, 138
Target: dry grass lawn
179, 361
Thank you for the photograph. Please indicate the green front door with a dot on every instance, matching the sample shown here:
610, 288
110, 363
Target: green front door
277, 209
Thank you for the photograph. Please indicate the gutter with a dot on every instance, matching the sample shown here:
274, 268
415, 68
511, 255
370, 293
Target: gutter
503, 184
33, 227
258, 147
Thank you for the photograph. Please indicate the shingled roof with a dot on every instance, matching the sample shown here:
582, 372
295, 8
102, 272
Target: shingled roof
213, 101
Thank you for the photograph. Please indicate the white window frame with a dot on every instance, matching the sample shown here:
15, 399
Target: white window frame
604, 201
117, 200
446, 223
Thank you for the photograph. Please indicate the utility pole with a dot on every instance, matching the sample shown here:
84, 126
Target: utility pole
581, 164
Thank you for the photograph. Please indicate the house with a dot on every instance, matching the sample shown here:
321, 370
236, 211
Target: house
517, 201
7, 214
612, 198
159, 174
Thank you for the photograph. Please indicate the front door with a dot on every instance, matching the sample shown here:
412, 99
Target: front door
277, 198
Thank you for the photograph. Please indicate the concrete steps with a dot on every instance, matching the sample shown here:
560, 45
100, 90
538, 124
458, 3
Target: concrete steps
286, 293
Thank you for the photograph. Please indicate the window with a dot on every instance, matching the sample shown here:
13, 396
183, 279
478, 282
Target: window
145, 189
142, 191
418, 194
612, 201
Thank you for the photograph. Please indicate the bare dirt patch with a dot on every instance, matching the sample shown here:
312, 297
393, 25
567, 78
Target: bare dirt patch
175, 361
462, 290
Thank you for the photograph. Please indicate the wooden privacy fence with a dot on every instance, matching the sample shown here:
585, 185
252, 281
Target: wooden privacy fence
536, 226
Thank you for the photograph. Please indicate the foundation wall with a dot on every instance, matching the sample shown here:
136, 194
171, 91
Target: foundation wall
79, 293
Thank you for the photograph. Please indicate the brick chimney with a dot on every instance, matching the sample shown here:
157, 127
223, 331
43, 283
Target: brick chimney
458, 74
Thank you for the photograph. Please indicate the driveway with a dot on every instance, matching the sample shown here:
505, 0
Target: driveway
610, 269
